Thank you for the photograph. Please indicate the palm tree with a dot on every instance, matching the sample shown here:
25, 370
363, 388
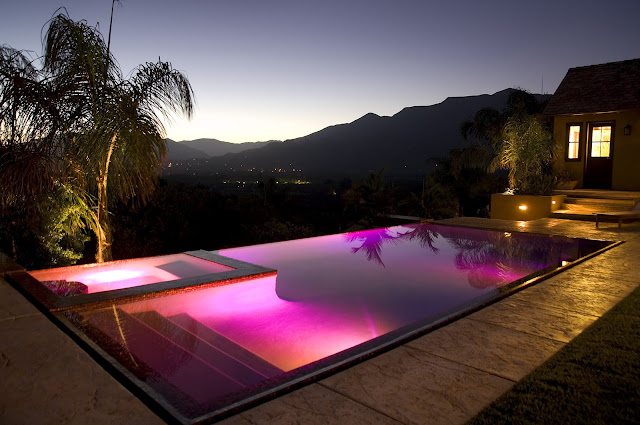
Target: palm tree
485, 130
121, 133
527, 154
42, 195
78, 116
32, 128
483, 133
513, 139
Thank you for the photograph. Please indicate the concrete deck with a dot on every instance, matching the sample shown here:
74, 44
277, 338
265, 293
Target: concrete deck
445, 377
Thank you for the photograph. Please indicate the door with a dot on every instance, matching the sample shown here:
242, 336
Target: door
599, 158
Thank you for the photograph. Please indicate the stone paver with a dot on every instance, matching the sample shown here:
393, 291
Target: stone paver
545, 321
550, 226
416, 387
311, 405
618, 261
570, 298
600, 281
48, 379
504, 352
13, 304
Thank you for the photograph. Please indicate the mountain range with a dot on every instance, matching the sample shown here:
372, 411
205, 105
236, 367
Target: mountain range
205, 148
403, 143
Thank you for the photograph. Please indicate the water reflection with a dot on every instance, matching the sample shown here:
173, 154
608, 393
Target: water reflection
506, 253
490, 258
425, 235
372, 242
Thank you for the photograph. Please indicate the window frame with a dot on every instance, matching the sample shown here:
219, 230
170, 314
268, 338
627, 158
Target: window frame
590, 127
581, 139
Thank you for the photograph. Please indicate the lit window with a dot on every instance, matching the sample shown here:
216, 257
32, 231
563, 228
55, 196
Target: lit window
601, 141
573, 147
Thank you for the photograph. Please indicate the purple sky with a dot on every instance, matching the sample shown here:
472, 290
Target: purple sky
281, 69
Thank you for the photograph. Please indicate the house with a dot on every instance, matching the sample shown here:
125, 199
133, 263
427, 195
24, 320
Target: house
596, 116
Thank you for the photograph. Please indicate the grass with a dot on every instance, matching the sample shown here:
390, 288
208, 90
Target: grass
595, 379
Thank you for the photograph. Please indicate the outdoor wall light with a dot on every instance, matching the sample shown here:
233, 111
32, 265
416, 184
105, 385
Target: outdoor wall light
553, 202
627, 130
522, 207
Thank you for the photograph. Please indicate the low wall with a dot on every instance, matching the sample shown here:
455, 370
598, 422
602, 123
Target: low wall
8, 265
524, 207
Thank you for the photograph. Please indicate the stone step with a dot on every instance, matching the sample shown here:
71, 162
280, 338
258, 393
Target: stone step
599, 201
600, 194
589, 209
573, 215
591, 205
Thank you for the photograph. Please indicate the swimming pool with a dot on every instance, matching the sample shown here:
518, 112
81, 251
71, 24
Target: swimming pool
199, 352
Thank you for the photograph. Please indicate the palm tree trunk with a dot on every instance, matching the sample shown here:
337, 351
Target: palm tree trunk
104, 223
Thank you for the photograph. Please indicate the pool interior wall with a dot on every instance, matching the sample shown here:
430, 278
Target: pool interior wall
201, 354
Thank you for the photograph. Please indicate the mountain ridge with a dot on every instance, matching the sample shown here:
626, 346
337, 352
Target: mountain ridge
402, 143
204, 148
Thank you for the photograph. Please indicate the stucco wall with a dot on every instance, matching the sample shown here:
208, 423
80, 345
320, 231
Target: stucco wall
626, 149
507, 207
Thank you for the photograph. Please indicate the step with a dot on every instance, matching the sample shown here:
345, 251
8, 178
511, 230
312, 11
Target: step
600, 194
150, 350
590, 209
599, 203
573, 215
215, 355
221, 342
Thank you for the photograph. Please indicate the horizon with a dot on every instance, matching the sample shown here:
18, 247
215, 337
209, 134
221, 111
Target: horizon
341, 123
286, 69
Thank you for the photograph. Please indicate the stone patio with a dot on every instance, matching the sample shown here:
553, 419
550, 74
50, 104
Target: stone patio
444, 377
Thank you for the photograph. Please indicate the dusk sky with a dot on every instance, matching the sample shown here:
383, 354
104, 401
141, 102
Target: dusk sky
280, 69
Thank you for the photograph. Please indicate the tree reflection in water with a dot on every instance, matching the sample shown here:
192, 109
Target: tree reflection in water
372, 241
425, 235
497, 258
490, 258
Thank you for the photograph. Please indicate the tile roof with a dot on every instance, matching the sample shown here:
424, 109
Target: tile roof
607, 87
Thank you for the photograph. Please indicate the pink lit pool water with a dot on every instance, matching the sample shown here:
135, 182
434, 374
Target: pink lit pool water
93, 278
334, 299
